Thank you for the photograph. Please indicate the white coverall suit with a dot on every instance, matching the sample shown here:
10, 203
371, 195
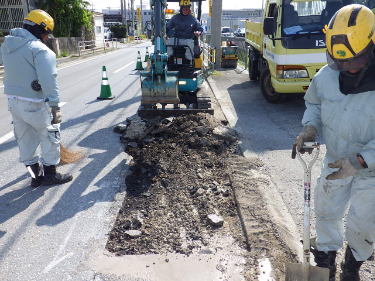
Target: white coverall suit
347, 123
26, 60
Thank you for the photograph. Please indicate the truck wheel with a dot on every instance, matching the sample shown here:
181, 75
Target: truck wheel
267, 89
253, 67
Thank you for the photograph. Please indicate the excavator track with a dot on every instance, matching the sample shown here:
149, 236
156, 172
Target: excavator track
200, 103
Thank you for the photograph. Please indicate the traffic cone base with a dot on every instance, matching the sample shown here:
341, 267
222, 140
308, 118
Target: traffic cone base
105, 90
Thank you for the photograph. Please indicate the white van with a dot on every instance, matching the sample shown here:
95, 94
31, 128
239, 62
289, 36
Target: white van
226, 31
107, 33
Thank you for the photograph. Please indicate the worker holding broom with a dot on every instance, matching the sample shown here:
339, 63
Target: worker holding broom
31, 87
340, 103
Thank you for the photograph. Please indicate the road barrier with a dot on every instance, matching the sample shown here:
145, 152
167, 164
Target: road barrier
139, 62
209, 58
105, 90
147, 55
91, 46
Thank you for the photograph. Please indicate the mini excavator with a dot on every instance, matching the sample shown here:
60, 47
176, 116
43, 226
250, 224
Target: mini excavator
171, 84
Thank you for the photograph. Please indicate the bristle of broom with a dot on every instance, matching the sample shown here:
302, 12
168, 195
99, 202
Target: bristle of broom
69, 156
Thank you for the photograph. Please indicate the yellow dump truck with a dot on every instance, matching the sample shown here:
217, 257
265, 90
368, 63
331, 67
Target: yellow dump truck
287, 48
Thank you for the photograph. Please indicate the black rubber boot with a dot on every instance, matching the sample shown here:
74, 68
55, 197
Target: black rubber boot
326, 261
350, 268
36, 173
52, 177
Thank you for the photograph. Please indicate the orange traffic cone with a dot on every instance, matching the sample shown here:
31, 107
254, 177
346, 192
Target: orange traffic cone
105, 91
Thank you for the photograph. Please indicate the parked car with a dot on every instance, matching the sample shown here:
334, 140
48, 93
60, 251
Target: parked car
107, 34
240, 32
226, 31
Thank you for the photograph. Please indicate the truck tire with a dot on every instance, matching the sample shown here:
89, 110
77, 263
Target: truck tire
253, 67
267, 89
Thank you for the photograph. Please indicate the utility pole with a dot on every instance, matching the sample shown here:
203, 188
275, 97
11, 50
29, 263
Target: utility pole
141, 18
122, 11
132, 11
125, 18
217, 10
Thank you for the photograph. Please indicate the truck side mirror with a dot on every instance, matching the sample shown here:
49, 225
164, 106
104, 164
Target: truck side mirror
269, 26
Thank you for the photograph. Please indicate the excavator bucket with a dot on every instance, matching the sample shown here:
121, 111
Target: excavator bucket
159, 89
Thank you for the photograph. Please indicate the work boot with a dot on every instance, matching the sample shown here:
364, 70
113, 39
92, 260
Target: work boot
52, 177
350, 268
36, 173
326, 261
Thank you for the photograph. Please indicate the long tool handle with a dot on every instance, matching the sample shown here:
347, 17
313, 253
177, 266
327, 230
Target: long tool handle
307, 191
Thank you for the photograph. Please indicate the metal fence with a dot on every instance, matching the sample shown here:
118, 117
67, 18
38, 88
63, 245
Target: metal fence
85, 47
12, 13
209, 55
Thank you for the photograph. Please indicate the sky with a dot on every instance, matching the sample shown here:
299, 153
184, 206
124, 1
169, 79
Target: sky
98, 5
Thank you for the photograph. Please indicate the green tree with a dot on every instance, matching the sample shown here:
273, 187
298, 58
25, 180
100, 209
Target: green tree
69, 16
119, 31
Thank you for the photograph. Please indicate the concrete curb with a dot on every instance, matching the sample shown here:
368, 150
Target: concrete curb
275, 204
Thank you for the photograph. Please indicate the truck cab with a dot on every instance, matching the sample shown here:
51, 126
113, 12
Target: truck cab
288, 47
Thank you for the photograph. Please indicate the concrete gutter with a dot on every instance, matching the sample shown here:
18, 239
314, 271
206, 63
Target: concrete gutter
275, 204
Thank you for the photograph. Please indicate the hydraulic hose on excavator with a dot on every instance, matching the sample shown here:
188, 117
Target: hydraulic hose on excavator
160, 86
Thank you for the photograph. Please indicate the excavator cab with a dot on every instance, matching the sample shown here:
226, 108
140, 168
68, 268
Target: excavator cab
186, 59
171, 85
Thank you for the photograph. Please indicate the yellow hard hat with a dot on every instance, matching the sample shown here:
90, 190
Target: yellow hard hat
42, 19
350, 37
185, 3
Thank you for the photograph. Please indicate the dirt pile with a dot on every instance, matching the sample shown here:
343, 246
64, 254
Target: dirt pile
178, 194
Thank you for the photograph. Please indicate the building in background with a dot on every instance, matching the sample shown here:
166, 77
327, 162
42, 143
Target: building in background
98, 26
234, 19
113, 16
13, 13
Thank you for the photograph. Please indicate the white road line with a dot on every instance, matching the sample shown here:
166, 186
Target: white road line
11, 134
123, 67
77, 63
6, 137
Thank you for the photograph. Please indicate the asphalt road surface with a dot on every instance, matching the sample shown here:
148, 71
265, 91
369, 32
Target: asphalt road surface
45, 233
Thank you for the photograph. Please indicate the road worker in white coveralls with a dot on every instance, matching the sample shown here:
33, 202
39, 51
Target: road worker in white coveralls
340, 103
33, 97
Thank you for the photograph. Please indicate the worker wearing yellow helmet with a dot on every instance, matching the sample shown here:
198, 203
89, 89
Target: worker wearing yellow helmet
182, 28
33, 97
340, 104
39, 23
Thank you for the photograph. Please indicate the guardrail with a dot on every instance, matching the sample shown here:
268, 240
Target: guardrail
93, 45
209, 58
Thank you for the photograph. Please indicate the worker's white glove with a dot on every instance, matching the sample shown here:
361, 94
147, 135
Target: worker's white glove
197, 33
56, 114
347, 167
307, 135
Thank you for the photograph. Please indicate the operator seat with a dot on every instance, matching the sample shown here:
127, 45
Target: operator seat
290, 16
328, 12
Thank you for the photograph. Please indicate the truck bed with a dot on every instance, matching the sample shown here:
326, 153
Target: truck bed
254, 34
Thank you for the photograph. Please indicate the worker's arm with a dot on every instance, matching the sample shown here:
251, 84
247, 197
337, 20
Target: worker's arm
312, 115
170, 25
198, 27
45, 66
